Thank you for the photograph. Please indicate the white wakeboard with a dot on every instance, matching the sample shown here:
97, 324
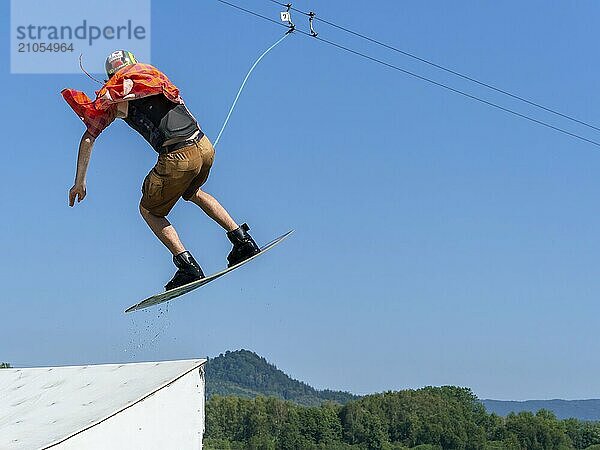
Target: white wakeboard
173, 293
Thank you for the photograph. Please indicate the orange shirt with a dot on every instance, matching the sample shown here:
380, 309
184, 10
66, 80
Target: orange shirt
131, 82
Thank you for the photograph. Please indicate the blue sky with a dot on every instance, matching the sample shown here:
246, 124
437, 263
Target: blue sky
438, 241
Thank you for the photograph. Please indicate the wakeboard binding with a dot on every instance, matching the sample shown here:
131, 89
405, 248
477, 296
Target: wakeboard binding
244, 246
188, 271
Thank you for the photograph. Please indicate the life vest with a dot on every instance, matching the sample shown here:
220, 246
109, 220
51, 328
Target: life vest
159, 120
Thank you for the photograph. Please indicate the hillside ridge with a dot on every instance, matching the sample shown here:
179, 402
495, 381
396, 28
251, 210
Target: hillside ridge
243, 373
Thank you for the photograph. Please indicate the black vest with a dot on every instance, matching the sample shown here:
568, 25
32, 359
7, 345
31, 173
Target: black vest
158, 120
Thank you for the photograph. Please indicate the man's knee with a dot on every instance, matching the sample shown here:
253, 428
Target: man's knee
146, 214
197, 197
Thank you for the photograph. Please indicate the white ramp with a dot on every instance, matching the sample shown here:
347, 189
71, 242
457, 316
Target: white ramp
154, 405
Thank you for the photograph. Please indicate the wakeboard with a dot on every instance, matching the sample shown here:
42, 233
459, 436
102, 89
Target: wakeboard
181, 290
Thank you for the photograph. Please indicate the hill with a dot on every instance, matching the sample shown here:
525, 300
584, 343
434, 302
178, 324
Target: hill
243, 373
563, 409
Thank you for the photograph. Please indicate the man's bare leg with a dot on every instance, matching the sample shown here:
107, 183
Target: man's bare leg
214, 210
164, 231
243, 245
188, 269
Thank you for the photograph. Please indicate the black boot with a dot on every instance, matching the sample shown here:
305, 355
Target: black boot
188, 271
243, 245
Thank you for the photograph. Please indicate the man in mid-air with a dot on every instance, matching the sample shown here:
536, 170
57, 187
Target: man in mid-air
149, 103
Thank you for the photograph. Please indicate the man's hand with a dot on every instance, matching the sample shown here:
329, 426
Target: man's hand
78, 191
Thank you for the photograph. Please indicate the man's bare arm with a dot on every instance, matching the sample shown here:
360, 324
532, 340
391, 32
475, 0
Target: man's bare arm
78, 191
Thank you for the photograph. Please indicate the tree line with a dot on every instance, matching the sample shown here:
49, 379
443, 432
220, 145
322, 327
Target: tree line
432, 418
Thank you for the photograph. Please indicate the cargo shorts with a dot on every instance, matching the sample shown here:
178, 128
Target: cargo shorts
177, 174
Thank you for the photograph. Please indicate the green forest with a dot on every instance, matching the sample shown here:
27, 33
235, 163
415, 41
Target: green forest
432, 418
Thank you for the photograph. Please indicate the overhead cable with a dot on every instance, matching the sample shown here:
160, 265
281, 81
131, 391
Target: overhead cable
312, 17
420, 77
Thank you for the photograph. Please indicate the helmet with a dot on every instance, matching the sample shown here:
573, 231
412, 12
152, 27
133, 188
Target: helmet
117, 60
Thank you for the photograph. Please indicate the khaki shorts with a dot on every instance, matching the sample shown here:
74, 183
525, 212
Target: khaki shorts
177, 174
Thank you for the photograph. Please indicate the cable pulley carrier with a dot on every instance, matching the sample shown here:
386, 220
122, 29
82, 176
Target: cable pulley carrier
311, 17
286, 16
